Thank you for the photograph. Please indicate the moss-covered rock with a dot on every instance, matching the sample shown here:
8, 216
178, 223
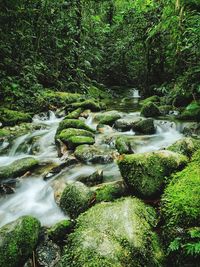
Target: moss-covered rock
73, 123
74, 114
108, 118
165, 109
110, 191
17, 241
60, 230
76, 198
93, 179
181, 214
191, 112
114, 234
150, 110
18, 167
191, 129
145, 173
126, 124
73, 141
93, 154
87, 104
186, 146
124, 145
11, 117
144, 126
151, 99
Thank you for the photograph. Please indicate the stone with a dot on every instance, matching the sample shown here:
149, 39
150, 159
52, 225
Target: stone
150, 110
93, 179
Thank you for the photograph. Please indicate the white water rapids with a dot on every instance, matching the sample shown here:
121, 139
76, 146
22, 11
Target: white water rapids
34, 196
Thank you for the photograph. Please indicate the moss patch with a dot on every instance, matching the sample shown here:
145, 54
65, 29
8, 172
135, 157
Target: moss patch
150, 110
11, 117
73, 123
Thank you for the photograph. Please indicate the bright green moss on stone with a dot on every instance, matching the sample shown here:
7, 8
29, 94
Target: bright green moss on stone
18, 167
144, 126
150, 110
73, 123
60, 230
11, 117
145, 173
114, 234
74, 141
124, 145
74, 114
72, 132
87, 104
17, 241
75, 199
108, 118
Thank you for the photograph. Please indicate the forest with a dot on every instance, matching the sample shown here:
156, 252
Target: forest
99, 133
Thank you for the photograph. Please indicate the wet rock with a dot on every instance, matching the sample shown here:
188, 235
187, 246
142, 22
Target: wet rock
114, 234
145, 173
124, 145
12, 117
87, 104
186, 146
166, 109
60, 230
75, 124
48, 254
93, 154
18, 168
76, 198
74, 141
108, 118
93, 179
18, 240
144, 126
126, 124
110, 191
8, 186
74, 114
191, 112
150, 110
192, 129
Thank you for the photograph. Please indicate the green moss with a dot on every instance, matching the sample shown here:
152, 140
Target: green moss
154, 99
59, 231
185, 146
71, 132
150, 110
93, 179
110, 192
74, 114
114, 234
18, 167
87, 104
4, 133
17, 241
11, 117
108, 118
95, 92
145, 173
76, 198
73, 123
181, 210
144, 126
73, 141
124, 145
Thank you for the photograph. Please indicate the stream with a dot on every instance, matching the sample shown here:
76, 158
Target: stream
34, 196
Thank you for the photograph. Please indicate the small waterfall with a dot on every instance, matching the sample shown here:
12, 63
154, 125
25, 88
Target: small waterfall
20, 140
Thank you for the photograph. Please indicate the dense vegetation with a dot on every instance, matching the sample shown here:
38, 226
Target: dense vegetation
71, 45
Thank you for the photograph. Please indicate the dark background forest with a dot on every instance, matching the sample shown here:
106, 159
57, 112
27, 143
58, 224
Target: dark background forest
69, 46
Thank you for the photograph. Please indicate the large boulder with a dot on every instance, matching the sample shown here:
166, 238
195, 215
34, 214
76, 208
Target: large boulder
93, 154
75, 114
114, 234
150, 110
145, 173
73, 123
76, 198
126, 124
18, 240
87, 104
108, 118
144, 126
93, 179
18, 167
186, 146
152, 99
180, 210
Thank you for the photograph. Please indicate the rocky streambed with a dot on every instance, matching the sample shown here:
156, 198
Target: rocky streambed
83, 187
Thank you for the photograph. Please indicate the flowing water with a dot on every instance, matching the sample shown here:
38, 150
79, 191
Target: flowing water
34, 196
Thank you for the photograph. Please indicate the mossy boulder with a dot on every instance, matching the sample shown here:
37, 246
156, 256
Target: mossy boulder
180, 210
125, 124
110, 191
145, 173
191, 112
76, 198
73, 123
93, 179
12, 117
108, 118
18, 167
93, 154
114, 234
191, 129
144, 126
73, 141
150, 110
18, 240
60, 230
124, 145
165, 109
87, 104
74, 114
186, 146
151, 99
